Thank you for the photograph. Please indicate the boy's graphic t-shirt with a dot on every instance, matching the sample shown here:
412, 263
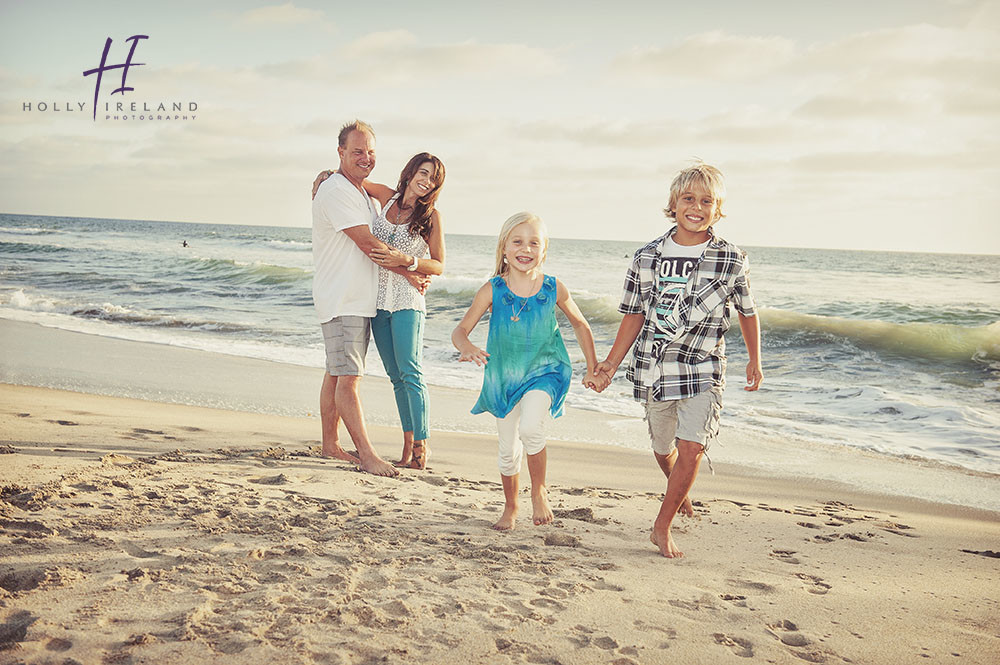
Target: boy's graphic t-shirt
676, 264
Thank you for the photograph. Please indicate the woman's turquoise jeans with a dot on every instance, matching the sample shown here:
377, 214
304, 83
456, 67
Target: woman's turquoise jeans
399, 337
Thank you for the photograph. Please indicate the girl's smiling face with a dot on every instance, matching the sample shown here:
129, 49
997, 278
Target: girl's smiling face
525, 247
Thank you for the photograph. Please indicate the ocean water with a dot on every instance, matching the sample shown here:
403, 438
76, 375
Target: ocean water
897, 353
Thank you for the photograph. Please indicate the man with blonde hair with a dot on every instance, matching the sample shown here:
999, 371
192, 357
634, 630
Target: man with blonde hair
345, 286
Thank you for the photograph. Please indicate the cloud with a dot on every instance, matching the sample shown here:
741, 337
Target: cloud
710, 55
282, 15
399, 57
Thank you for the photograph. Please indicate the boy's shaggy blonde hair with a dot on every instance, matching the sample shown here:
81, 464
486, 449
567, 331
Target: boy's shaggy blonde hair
707, 176
513, 222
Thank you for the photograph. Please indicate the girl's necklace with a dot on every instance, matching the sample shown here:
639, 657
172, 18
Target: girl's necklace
516, 316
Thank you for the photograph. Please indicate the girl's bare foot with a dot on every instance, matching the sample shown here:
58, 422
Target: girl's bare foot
540, 511
665, 543
506, 521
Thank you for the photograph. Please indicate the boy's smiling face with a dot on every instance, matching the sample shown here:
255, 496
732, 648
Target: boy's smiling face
695, 211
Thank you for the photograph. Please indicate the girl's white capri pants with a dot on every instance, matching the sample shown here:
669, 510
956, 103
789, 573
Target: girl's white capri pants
523, 430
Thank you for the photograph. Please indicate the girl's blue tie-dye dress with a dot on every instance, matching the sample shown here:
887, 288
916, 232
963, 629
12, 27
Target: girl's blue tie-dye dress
525, 354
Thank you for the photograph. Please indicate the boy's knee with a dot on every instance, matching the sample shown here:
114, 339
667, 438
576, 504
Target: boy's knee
689, 448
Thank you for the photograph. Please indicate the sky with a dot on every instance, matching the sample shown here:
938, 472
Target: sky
850, 124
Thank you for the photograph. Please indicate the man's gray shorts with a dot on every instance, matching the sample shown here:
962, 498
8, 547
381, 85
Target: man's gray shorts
346, 341
692, 419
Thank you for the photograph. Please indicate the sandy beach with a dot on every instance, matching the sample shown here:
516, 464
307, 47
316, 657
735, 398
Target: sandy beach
140, 531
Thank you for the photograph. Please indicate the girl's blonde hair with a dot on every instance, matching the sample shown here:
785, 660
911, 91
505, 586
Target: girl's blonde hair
513, 222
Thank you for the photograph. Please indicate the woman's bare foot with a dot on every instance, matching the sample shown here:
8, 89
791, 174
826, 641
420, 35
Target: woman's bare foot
686, 508
334, 451
421, 453
665, 543
540, 511
406, 457
506, 521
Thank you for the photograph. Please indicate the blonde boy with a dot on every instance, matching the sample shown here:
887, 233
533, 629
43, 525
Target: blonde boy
676, 304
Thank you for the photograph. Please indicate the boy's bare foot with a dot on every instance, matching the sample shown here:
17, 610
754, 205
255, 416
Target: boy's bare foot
379, 467
334, 451
665, 543
403, 462
506, 521
540, 511
686, 509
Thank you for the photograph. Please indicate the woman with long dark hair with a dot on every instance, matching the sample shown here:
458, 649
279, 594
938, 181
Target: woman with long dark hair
411, 226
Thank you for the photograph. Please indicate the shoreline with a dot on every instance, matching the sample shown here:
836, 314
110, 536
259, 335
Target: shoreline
100, 365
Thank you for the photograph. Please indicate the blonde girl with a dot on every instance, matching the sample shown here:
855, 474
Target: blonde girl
527, 369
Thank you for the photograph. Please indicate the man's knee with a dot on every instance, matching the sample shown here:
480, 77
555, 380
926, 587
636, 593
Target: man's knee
347, 382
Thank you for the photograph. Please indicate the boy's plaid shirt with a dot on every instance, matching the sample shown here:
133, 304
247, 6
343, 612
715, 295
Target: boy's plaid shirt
684, 353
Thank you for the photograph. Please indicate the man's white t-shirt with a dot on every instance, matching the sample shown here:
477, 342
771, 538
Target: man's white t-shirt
345, 282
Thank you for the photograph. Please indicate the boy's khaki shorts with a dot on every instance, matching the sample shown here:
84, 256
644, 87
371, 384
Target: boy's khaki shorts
692, 419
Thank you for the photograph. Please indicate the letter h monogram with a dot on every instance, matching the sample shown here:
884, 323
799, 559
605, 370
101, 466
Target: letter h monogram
106, 67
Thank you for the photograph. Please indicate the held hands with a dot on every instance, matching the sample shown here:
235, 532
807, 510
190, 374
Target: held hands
596, 381
418, 281
473, 353
754, 375
601, 377
323, 175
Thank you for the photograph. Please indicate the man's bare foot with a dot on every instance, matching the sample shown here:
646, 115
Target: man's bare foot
540, 511
334, 451
665, 543
686, 509
379, 467
506, 521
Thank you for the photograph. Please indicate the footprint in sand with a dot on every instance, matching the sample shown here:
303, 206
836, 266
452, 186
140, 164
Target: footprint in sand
814, 584
547, 603
136, 551
735, 599
738, 645
762, 587
15, 629
897, 529
788, 633
64, 423
785, 556
280, 479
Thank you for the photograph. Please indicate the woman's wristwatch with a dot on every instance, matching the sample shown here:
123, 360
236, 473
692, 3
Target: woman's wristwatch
413, 266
